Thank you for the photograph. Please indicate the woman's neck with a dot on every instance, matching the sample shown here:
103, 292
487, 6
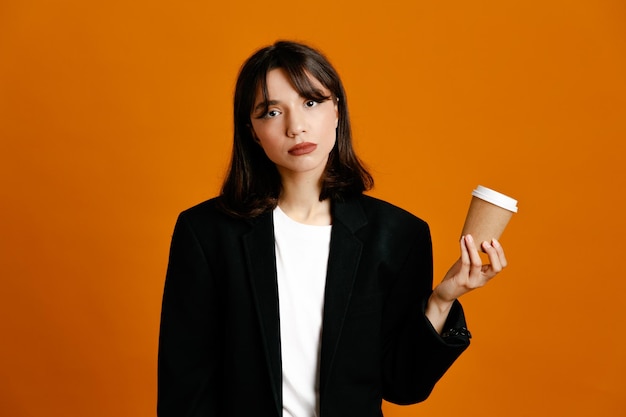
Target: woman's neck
300, 200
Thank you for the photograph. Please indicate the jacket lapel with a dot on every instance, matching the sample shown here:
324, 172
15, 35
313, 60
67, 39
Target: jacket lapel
343, 261
261, 262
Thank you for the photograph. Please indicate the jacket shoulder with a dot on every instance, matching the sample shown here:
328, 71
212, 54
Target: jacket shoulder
209, 214
378, 210
208, 207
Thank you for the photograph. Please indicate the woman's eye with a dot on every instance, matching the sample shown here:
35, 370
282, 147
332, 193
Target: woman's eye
272, 113
310, 103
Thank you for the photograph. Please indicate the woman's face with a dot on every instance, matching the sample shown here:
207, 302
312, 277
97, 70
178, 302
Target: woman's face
296, 133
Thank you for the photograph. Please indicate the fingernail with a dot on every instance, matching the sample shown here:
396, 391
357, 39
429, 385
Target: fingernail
495, 243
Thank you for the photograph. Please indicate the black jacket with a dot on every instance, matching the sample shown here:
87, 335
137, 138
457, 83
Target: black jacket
219, 347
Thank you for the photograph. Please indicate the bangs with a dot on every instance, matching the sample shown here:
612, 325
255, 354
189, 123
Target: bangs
301, 80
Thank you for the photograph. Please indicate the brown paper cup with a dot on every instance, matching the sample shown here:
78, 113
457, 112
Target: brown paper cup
488, 215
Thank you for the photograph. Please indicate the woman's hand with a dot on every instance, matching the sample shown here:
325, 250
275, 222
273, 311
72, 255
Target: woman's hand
467, 274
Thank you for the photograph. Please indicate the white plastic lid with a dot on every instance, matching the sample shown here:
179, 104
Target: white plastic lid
496, 198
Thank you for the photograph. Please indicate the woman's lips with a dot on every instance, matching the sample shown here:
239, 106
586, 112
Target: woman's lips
302, 148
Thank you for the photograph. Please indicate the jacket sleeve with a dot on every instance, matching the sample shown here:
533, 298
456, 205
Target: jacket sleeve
188, 348
415, 355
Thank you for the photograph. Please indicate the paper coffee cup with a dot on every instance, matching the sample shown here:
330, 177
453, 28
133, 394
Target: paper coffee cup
488, 215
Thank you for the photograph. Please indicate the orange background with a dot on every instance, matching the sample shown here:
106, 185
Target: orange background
116, 116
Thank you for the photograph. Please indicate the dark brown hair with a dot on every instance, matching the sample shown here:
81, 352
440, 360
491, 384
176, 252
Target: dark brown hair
252, 185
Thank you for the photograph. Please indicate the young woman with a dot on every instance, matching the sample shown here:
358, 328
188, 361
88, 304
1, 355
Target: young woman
293, 293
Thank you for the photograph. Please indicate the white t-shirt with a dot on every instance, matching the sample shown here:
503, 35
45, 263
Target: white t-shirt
301, 264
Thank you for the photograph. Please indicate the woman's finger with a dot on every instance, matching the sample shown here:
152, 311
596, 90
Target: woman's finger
494, 260
473, 252
465, 258
476, 264
500, 251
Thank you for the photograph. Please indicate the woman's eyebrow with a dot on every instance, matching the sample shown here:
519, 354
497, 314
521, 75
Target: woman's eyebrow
262, 105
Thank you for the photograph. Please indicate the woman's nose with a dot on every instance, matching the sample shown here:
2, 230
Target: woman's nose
296, 123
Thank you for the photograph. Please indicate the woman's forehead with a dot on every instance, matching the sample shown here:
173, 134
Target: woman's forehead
305, 84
